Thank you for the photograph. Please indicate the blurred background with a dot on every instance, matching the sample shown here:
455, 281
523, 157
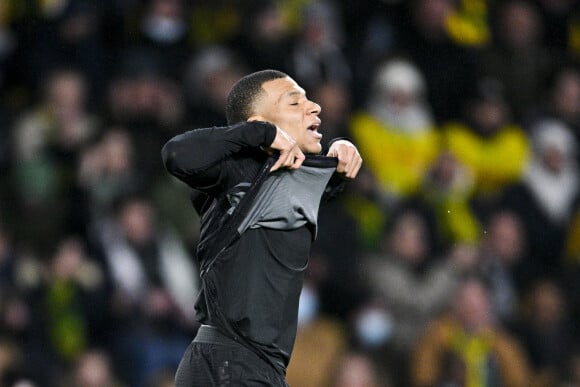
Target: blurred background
452, 260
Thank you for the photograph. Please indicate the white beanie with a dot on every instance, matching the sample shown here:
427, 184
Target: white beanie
551, 133
399, 75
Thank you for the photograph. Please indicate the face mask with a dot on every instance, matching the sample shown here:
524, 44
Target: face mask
374, 327
164, 29
308, 306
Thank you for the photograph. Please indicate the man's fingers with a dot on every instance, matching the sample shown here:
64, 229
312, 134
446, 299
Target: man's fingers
352, 170
298, 160
276, 165
345, 159
290, 154
354, 164
291, 159
349, 160
341, 166
282, 162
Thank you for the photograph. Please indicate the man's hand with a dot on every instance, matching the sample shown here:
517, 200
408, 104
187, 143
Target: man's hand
349, 160
290, 154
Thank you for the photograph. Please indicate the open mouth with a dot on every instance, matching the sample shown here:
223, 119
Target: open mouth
313, 129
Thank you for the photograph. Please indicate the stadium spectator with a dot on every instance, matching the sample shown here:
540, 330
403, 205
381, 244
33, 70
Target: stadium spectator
519, 58
503, 263
448, 188
545, 329
411, 281
152, 279
48, 140
427, 41
487, 141
547, 196
468, 347
395, 131
317, 54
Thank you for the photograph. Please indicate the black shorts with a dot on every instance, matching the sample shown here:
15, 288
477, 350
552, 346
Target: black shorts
218, 363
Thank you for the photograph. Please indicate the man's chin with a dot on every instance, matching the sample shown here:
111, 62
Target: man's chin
312, 149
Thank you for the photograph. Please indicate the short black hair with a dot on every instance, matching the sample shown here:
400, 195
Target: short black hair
240, 102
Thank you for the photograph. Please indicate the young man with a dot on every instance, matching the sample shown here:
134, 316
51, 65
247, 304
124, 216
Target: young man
258, 183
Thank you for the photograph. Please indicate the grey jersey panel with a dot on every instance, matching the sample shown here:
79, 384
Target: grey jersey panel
288, 199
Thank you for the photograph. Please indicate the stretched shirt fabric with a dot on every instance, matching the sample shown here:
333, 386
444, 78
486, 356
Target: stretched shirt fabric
289, 199
257, 228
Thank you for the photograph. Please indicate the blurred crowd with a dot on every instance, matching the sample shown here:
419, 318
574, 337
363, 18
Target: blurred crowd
453, 259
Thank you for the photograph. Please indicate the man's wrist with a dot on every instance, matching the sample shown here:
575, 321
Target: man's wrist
268, 131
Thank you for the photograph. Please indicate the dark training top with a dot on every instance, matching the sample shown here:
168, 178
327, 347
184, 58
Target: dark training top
256, 231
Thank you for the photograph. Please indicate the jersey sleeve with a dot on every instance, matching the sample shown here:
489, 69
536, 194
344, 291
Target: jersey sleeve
195, 157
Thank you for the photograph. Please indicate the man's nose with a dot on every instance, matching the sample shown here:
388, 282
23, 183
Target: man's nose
314, 108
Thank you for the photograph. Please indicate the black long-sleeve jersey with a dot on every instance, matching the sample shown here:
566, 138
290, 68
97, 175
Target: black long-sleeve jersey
256, 231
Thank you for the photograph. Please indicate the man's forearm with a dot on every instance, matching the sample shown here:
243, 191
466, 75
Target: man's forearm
195, 156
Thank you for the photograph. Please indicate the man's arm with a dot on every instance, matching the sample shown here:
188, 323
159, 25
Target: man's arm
194, 157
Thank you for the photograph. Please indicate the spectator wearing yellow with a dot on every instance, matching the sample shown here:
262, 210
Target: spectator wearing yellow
468, 348
395, 132
495, 149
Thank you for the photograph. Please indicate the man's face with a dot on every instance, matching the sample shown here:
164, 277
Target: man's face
284, 104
